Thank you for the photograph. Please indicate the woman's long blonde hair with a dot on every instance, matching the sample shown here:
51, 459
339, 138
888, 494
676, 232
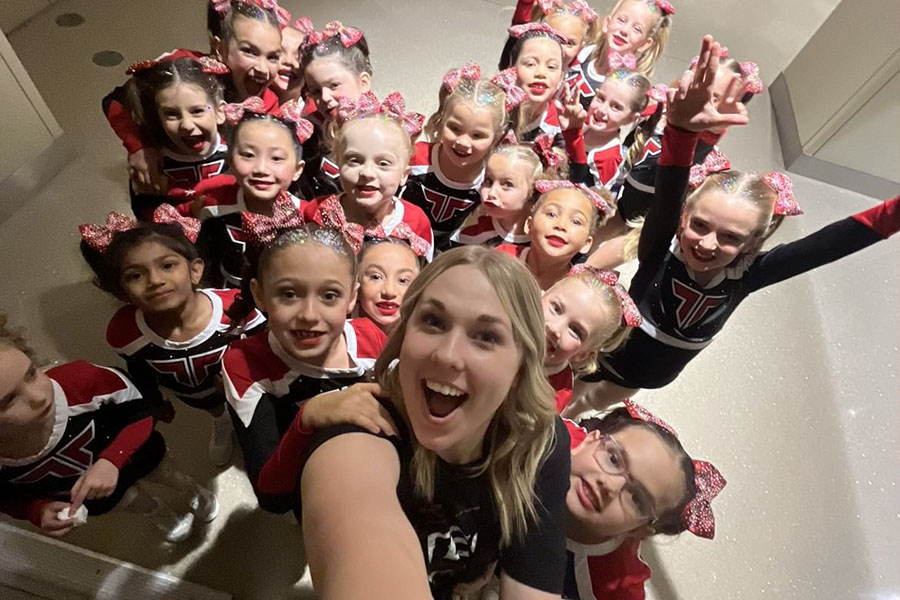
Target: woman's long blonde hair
521, 432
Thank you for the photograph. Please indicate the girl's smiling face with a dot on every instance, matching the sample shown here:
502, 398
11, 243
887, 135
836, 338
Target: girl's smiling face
374, 162
157, 279
288, 81
540, 68
253, 55
467, 135
26, 394
263, 159
573, 29
716, 229
576, 321
611, 108
628, 31
561, 225
328, 80
385, 272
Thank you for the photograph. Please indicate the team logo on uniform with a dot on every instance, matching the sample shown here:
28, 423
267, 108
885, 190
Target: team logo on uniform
693, 306
652, 148
444, 207
190, 371
330, 169
237, 236
187, 176
577, 82
71, 460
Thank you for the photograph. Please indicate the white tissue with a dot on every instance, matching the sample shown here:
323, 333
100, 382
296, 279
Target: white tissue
80, 516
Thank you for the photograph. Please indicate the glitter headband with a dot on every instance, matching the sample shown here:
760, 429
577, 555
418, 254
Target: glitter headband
288, 114
697, 516
393, 107
631, 316
596, 200
786, 204
538, 30
507, 80
349, 36
715, 162
208, 64
282, 15
470, 71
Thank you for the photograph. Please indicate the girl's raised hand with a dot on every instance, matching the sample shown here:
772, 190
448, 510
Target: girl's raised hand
356, 405
573, 114
692, 107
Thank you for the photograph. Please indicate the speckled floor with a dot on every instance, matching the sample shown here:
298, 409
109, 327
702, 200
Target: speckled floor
796, 402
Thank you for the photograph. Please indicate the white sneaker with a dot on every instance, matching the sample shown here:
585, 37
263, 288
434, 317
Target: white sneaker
221, 442
204, 504
175, 527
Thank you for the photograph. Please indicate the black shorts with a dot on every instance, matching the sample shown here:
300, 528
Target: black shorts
642, 363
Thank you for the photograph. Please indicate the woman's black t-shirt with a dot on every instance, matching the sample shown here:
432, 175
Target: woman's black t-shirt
459, 530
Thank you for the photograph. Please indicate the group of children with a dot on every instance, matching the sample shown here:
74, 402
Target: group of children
281, 210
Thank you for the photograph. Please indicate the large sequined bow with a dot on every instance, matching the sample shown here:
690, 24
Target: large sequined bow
331, 215
207, 63
349, 36
517, 31
715, 162
630, 313
167, 215
234, 112
750, 75
544, 186
543, 147
657, 95
470, 71
393, 107
507, 80
697, 516
549, 6
580, 9
305, 26
291, 114
403, 232
665, 7
786, 204
99, 237
262, 229
220, 6
617, 60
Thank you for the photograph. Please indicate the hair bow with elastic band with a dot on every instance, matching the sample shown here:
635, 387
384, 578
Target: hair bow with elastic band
99, 237
544, 186
401, 232
631, 316
715, 162
786, 205
543, 147
750, 74
349, 36
507, 80
207, 63
616, 60
697, 516
539, 29
392, 107
165, 214
580, 9
470, 71
262, 229
664, 6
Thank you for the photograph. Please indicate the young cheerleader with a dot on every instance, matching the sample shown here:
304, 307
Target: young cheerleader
176, 108
288, 84
372, 147
561, 224
265, 157
507, 192
305, 281
538, 67
335, 64
387, 265
586, 314
448, 169
700, 257
75, 441
632, 36
171, 334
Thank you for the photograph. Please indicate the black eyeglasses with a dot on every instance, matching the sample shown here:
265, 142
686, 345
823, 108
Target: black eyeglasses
633, 496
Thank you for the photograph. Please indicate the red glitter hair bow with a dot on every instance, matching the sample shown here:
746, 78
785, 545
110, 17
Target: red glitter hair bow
507, 80
617, 60
207, 63
331, 215
291, 113
99, 237
305, 26
349, 36
470, 71
786, 205
715, 162
543, 147
750, 75
401, 232
697, 516
630, 313
542, 29
165, 214
580, 9
658, 95
548, 6
544, 186
262, 229
392, 107
665, 7
235, 112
